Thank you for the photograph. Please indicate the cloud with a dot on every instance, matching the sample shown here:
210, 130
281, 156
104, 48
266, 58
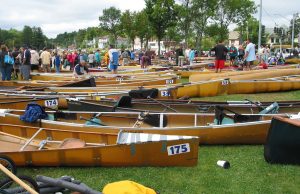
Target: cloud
58, 16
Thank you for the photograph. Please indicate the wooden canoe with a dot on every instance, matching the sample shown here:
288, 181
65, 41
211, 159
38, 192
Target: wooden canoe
28, 146
200, 125
126, 104
11, 103
22, 85
222, 87
244, 75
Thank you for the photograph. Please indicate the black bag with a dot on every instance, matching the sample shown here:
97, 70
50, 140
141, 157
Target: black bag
283, 142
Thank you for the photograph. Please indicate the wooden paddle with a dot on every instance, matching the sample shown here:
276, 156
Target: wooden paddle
16, 179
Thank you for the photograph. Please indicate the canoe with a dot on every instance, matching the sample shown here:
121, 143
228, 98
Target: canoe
11, 103
223, 87
201, 125
23, 85
48, 147
127, 104
195, 76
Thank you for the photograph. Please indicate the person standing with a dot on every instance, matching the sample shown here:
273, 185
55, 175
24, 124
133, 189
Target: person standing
26, 65
34, 59
241, 52
220, 53
125, 58
91, 58
113, 59
46, 60
6, 63
192, 56
250, 54
179, 56
57, 62
98, 58
232, 54
17, 58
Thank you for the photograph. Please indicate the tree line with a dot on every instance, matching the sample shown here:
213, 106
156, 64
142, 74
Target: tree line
197, 23
29, 36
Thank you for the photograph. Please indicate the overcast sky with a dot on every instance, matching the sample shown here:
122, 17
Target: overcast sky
58, 16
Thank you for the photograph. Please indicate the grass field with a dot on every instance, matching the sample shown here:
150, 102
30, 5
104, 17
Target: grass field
249, 173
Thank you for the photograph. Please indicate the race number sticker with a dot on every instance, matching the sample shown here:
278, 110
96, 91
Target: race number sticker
119, 79
178, 149
51, 103
169, 81
225, 82
165, 93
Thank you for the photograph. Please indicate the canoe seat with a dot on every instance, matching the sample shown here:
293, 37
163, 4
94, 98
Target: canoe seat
272, 109
124, 101
72, 143
94, 121
144, 93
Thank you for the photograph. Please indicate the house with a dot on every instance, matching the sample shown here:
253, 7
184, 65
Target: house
234, 38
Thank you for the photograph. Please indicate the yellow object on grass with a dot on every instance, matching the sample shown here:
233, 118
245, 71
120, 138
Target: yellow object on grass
126, 187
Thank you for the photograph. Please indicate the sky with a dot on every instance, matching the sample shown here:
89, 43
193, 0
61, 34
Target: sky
59, 16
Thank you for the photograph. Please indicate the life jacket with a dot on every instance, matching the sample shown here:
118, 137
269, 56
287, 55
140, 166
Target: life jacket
33, 112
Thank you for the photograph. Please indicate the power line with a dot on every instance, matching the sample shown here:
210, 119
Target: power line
269, 16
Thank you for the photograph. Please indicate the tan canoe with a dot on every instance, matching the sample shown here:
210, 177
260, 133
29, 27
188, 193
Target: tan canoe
176, 124
48, 147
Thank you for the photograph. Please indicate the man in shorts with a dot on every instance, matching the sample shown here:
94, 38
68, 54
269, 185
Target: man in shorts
220, 52
113, 59
250, 56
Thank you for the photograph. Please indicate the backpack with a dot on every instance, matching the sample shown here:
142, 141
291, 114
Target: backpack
33, 112
115, 58
8, 59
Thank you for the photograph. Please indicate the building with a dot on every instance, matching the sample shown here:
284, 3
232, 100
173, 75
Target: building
234, 38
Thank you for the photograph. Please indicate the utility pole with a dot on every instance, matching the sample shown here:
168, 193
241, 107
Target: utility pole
259, 30
293, 31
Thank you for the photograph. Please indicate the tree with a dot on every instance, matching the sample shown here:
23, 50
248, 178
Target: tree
38, 38
27, 35
185, 20
202, 11
110, 21
252, 24
128, 25
162, 14
232, 11
143, 27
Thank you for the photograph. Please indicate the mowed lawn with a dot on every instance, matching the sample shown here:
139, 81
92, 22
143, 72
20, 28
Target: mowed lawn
249, 173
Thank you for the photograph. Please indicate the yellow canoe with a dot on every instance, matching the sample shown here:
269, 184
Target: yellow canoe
176, 124
49, 147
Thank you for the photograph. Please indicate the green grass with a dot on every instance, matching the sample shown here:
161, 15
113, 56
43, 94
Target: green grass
249, 173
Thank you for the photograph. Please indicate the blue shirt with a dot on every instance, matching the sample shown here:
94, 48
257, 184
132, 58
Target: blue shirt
97, 57
192, 55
